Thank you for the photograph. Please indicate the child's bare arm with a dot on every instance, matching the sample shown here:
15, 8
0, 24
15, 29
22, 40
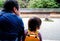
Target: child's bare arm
40, 37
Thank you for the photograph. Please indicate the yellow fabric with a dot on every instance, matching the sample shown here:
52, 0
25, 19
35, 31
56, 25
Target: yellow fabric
32, 36
33, 32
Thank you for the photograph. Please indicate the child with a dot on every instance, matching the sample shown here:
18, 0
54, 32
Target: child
33, 25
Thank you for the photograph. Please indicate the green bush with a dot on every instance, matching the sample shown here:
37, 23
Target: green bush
1, 3
35, 3
42, 4
22, 3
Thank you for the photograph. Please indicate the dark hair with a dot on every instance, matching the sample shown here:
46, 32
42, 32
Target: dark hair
8, 5
33, 23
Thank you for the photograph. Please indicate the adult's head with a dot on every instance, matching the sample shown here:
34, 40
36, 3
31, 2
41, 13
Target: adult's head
11, 6
34, 24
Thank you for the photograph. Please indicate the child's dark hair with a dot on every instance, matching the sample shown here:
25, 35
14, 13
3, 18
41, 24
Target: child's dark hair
33, 23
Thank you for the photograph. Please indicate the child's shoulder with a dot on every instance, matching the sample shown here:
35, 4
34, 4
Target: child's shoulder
39, 34
26, 30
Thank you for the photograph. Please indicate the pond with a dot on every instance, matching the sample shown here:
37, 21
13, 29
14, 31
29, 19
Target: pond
48, 30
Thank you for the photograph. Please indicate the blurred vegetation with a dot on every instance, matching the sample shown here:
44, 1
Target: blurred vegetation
22, 4
36, 3
1, 3
43, 4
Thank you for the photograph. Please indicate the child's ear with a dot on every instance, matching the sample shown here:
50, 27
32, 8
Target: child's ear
38, 27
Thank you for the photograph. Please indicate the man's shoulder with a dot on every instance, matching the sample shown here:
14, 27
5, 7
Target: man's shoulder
9, 15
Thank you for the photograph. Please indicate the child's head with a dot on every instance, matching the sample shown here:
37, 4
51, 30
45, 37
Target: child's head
34, 23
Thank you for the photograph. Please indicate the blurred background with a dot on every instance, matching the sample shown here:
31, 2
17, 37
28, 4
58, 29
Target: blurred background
47, 10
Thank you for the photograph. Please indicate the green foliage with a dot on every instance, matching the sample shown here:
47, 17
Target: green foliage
22, 3
1, 3
27, 1
42, 4
35, 3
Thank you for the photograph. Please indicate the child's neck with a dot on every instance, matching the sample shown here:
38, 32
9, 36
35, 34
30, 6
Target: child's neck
34, 31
